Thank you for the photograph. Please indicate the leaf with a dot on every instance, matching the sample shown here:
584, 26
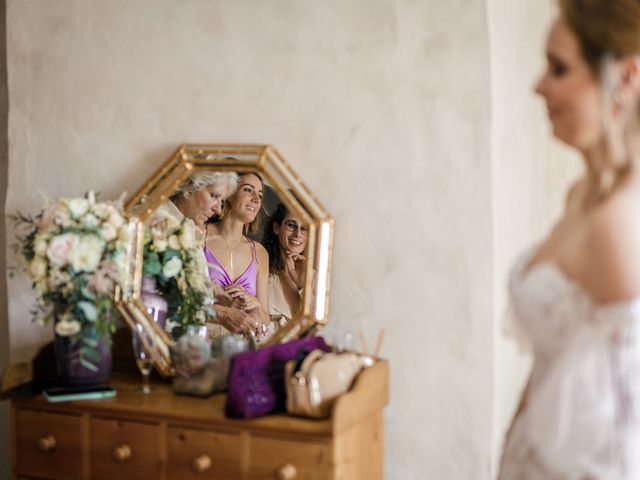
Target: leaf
91, 342
152, 264
89, 311
86, 293
90, 353
170, 253
88, 365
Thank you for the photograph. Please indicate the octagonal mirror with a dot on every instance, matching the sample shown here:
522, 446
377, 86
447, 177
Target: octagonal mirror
282, 190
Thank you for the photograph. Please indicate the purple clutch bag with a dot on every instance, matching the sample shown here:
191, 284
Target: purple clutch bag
256, 379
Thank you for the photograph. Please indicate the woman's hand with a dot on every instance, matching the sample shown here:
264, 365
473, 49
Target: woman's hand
222, 297
295, 268
241, 299
236, 320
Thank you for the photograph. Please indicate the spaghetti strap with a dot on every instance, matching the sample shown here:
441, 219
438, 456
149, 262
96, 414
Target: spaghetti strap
219, 275
253, 249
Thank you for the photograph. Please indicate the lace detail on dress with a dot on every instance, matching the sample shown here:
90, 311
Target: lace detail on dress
581, 418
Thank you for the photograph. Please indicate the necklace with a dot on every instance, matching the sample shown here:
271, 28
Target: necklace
229, 263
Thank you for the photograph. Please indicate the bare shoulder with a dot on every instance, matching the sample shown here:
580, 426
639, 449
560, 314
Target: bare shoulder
261, 252
613, 247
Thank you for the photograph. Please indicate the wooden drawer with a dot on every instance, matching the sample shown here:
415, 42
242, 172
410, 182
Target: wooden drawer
195, 454
276, 458
49, 445
122, 449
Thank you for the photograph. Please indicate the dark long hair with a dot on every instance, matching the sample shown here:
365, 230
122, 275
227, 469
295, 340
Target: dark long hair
271, 241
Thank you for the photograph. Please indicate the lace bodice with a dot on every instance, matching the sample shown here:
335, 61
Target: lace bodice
582, 414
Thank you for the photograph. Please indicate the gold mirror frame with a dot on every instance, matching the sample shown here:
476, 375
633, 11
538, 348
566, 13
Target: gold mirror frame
277, 173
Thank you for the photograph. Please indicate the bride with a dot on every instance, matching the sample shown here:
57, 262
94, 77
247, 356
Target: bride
576, 295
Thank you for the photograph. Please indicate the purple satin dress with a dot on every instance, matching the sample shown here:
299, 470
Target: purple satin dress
247, 280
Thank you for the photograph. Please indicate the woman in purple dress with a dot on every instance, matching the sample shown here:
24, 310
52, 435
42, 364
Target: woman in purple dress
237, 263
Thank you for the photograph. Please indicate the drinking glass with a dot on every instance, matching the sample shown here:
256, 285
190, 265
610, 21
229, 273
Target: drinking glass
143, 342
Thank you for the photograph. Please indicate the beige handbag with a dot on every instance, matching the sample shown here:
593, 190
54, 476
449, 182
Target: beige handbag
319, 380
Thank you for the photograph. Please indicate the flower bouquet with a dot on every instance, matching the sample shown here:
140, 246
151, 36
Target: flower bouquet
176, 263
74, 250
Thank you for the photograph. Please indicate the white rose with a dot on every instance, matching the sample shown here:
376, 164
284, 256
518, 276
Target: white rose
187, 237
38, 268
87, 255
101, 210
40, 246
160, 245
115, 218
174, 243
109, 232
172, 267
78, 207
90, 220
66, 328
172, 222
61, 248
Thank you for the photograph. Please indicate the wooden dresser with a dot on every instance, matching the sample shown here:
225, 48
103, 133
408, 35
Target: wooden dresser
166, 436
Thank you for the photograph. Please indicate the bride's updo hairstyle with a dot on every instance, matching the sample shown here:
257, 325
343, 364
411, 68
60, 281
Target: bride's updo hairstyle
604, 27
607, 30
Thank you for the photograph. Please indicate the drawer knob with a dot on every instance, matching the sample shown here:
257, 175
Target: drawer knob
201, 463
47, 443
288, 471
122, 453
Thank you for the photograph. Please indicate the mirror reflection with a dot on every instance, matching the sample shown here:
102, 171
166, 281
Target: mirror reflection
227, 239
285, 239
252, 253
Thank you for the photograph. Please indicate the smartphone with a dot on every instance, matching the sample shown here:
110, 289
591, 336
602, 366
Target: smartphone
67, 394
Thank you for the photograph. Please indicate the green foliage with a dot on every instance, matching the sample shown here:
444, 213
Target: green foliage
82, 299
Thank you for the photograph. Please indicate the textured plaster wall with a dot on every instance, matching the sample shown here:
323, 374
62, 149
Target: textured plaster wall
385, 109
529, 175
4, 324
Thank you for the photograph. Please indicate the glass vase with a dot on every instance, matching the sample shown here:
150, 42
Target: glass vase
72, 372
156, 305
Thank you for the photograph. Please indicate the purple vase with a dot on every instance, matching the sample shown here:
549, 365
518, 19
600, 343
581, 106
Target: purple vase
72, 372
156, 305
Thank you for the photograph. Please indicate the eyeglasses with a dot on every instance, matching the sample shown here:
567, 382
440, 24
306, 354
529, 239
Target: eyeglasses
293, 226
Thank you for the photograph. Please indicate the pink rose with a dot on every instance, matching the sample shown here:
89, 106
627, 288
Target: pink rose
61, 247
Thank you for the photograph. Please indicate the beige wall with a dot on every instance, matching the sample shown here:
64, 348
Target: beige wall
529, 174
400, 115
4, 325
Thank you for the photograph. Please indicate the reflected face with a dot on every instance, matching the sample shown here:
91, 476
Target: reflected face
292, 234
246, 202
570, 90
206, 202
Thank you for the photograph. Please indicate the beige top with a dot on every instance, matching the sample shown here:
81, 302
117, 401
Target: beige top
279, 309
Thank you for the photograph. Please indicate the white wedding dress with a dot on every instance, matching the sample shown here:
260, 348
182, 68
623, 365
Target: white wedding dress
581, 419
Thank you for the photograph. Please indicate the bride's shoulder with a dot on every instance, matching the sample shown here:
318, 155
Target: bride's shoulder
613, 247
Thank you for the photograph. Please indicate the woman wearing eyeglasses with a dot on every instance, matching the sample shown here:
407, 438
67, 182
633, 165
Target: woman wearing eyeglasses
285, 239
